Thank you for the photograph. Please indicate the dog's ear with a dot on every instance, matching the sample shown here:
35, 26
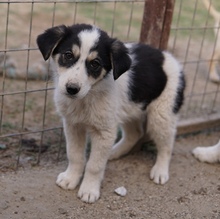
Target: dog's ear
121, 61
48, 40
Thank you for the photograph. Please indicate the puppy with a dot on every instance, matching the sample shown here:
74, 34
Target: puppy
102, 83
209, 154
213, 75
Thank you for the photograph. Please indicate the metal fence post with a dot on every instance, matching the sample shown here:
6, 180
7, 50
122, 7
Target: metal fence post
156, 22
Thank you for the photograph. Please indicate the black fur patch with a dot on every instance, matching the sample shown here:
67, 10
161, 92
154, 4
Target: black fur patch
67, 59
94, 67
103, 57
102, 47
180, 94
148, 79
48, 40
120, 59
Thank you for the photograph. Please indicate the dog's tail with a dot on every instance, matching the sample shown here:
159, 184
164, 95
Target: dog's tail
212, 10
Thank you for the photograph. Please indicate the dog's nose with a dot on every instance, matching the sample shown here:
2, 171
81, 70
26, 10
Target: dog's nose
72, 89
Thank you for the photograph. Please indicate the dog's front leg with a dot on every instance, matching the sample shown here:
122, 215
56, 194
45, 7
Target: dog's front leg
102, 142
75, 144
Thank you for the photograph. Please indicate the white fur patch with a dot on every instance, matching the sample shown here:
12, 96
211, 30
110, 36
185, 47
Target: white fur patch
88, 40
209, 154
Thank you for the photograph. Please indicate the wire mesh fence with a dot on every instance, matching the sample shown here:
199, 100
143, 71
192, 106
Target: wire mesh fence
194, 27
29, 125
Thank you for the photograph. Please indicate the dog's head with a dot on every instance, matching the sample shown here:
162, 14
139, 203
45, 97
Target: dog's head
84, 55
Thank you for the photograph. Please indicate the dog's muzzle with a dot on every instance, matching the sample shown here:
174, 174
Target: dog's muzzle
72, 89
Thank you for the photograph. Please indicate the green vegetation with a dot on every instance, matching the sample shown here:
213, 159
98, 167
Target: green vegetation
191, 17
114, 17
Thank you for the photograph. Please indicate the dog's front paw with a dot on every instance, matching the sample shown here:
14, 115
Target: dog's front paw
89, 193
67, 180
206, 154
159, 174
200, 153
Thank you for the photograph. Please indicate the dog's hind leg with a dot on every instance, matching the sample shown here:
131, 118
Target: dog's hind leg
75, 145
213, 74
161, 125
132, 132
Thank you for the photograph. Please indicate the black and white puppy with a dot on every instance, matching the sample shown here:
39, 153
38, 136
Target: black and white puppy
102, 83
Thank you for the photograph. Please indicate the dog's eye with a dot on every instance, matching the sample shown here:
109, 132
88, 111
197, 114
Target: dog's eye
95, 64
68, 56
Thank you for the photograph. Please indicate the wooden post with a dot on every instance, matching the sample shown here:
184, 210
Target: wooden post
156, 23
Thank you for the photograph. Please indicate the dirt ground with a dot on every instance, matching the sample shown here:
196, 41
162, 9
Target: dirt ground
193, 190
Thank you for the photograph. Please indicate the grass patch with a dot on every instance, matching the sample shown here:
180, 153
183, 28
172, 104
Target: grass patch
114, 17
191, 17
7, 126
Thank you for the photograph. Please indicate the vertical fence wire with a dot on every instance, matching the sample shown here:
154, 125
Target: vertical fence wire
177, 25
212, 57
4, 64
75, 12
95, 13
190, 35
45, 96
130, 20
26, 84
113, 18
